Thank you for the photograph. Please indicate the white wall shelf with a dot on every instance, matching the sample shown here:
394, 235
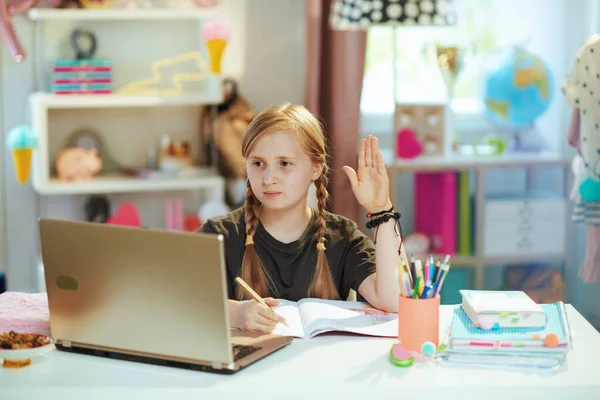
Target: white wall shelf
119, 184
51, 101
467, 162
465, 261
50, 14
45, 184
479, 164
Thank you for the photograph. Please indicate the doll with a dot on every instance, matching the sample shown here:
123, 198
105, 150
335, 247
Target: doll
581, 89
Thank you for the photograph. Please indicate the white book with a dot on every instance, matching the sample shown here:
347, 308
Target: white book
502, 309
311, 317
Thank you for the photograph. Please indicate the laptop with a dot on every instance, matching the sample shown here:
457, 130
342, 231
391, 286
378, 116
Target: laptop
145, 295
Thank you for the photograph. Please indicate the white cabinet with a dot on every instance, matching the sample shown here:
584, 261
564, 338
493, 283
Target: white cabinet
524, 228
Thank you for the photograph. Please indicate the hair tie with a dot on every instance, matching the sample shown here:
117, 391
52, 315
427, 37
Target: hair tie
321, 246
249, 240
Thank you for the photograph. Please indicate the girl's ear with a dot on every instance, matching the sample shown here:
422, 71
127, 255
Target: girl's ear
317, 171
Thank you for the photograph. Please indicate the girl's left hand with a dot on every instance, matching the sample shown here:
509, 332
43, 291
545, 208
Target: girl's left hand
370, 184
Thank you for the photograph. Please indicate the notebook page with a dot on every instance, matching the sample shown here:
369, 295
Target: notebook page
289, 310
322, 316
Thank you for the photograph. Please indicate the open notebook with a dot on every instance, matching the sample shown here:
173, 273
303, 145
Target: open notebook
310, 317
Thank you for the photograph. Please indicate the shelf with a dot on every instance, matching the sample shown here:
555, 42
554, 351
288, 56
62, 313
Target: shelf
50, 101
461, 261
119, 184
464, 162
51, 14
523, 259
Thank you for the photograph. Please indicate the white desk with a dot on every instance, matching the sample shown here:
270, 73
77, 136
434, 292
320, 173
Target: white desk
331, 367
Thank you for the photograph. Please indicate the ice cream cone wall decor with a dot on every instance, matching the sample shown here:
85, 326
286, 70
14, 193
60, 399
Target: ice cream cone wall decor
21, 142
215, 34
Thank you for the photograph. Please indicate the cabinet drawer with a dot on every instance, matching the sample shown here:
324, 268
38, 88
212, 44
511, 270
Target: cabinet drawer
524, 236
549, 210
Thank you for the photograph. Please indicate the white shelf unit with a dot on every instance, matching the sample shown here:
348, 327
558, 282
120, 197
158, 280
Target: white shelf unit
43, 100
479, 164
116, 14
119, 184
42, 103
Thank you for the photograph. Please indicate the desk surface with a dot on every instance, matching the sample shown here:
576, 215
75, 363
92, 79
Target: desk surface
333, 367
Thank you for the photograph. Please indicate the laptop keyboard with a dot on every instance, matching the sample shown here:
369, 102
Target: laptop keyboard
241, 351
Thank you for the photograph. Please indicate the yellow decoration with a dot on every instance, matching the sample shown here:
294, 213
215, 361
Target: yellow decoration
216, 48
22, 160
145, 86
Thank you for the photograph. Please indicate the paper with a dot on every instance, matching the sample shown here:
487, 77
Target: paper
311, 317
289, 310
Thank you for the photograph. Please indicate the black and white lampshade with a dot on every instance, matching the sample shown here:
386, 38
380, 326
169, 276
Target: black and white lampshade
361, 14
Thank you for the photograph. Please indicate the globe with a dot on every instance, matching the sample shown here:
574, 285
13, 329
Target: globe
518, 88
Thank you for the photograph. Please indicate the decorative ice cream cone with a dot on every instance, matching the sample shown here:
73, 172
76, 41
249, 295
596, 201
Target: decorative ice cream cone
22, 160
215, 35
21, 143
216, 48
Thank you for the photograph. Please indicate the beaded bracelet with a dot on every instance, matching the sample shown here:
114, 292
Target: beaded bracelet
381, 219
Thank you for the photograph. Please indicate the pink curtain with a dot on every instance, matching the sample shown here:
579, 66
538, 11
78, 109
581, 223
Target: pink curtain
334, 66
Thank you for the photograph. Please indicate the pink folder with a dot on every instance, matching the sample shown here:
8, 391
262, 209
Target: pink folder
435, 209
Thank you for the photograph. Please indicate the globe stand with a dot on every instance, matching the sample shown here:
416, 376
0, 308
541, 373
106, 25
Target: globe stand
526, 140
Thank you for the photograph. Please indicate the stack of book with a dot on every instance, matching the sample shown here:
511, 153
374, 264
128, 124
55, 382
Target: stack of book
506, 330
81, 77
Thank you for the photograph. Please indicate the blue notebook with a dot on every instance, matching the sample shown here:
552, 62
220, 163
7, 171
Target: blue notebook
463, 330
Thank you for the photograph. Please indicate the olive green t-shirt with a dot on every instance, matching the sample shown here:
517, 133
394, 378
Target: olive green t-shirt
290, 266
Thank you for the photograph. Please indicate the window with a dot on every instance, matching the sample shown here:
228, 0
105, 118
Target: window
418, 78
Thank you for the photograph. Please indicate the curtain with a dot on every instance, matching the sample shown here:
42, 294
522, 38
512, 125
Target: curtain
334, 67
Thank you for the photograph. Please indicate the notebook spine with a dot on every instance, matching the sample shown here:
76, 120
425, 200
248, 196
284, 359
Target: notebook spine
564, 322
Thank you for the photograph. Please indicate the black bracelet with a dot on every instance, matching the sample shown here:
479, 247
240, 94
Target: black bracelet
381, 219
369, 215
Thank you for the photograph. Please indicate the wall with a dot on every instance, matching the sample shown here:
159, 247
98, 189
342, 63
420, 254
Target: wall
268, 60
2, 191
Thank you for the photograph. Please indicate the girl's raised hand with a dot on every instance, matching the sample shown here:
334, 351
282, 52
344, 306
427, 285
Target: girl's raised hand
370, 183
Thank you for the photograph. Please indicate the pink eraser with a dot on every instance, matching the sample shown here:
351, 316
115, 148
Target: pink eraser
400, 353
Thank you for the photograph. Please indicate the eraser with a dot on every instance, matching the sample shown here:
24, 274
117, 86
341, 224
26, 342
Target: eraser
400, 357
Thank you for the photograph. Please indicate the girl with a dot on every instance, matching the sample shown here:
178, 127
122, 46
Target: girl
284, 249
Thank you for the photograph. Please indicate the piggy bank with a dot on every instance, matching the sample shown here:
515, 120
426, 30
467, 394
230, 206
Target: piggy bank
77, 164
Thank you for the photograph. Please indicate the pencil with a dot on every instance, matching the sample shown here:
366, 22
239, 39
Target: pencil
254, 295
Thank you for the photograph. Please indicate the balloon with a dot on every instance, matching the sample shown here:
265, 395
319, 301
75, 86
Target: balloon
9, 8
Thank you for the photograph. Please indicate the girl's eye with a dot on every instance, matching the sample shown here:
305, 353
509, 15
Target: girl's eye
286, 163
257, 163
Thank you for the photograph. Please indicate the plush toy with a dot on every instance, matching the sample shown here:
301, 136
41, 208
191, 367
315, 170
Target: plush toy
582, 91
78, 164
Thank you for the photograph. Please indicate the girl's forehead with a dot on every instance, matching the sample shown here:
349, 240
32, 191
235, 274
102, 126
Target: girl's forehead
277, 144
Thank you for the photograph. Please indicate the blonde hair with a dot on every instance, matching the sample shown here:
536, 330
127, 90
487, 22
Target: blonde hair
297, 120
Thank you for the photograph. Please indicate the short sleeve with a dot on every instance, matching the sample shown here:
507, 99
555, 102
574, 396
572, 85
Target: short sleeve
570, 86
207, 228
359, 260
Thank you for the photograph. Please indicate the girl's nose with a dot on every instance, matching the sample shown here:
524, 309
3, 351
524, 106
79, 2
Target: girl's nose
269, 176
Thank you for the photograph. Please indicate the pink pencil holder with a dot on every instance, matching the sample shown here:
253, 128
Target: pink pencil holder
418, 322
